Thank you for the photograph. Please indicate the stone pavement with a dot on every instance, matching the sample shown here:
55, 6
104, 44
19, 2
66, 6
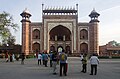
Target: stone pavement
107, 69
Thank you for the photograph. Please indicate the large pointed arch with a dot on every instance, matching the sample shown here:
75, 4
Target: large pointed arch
61, 32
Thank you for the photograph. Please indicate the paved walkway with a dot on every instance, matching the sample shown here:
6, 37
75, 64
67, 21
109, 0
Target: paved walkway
107, 69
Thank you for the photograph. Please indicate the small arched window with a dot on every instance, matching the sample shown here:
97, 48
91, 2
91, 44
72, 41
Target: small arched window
36, 34
84, 34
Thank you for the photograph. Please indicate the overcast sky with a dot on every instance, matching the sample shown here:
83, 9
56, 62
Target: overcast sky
109, 26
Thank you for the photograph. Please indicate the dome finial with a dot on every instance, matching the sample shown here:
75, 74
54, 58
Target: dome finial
94, 9
26, 10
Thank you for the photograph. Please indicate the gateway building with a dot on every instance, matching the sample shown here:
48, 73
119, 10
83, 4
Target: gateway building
60, 30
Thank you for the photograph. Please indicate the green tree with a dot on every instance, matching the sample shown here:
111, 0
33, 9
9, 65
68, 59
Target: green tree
6, 23
11, 40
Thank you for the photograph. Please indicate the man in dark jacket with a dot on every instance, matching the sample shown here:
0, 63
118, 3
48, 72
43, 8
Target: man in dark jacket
54, 62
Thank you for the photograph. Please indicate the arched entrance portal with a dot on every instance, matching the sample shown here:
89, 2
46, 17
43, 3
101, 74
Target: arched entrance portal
60, 37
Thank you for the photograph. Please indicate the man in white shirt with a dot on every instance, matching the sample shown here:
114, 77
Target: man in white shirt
39, 58
94, 61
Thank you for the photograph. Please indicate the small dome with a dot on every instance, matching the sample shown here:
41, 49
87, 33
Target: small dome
25, 13
94, 13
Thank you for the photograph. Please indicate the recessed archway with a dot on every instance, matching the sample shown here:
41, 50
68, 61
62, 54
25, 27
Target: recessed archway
84, 48
36, 34
84, 34
59, 49
36, 47
60, 33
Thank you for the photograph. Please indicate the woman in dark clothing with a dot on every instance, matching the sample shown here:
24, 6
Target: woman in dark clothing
11, 59
22, 58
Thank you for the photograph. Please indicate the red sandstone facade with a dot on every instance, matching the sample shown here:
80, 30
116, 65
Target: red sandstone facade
59, 30
112, 48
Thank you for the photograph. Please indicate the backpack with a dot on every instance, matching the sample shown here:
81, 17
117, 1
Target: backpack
63, 57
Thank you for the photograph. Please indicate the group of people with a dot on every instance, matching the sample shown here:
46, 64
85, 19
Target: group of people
61, 59
94, 61
43, 57
9, 57
12, 57
55, 59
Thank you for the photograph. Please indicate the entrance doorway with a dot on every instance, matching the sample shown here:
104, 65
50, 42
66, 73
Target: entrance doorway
84, 48
59, 49
36, 47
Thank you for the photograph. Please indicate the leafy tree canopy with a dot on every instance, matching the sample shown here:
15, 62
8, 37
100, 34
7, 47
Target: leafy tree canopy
6, 23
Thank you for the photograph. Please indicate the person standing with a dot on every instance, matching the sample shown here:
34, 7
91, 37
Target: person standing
54, 62
63, 62
13, 57
50, 55
84, 63
22, 58
45, 59
17, 57
7, 57
66, 63
39, 58
81, 56
94, 61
